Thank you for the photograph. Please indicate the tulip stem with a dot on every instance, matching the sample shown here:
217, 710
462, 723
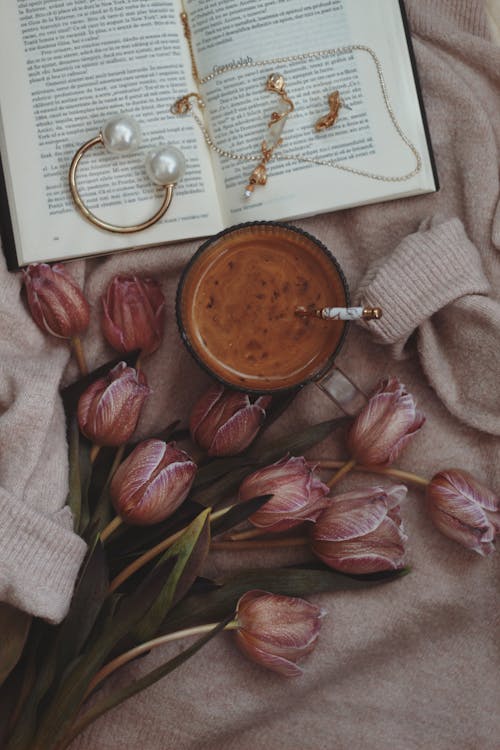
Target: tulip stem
250, 534
94, 452
153, 552
143, 648
76, 343
110, 528
299, 541
396, 473
343, 470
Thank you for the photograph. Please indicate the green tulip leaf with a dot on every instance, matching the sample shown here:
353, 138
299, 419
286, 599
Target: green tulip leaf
296, 444
14, 627
119, 696
131, 541
189, 552
293, 581
127, 613
238, 513
218, 468
74, 499
90, 593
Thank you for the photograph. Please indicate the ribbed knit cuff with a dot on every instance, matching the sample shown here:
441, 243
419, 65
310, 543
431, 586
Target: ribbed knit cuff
427, 16
427, 271
39, 559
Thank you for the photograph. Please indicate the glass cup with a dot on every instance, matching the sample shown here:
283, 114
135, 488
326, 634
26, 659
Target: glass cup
236, 312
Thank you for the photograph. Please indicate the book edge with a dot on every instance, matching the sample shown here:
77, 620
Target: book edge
418, 87
6, 227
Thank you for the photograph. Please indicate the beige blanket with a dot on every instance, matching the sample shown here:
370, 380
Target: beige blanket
408, 666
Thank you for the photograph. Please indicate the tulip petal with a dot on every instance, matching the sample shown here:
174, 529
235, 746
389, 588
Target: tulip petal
382, 549
284, 621
462, 483
269, 661
200, 412
164, 494
133, 314
117, 411
340, 521
384, 426
238, 432
135, 472
478, 539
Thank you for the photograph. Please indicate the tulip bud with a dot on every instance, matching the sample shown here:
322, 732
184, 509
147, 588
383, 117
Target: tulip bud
152, 482
133, 314
55, 300
464, 510
297, 494
109, 409
224, 422
385, 425
277, 631
361, 531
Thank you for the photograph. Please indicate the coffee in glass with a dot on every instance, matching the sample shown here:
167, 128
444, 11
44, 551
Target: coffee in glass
237, 302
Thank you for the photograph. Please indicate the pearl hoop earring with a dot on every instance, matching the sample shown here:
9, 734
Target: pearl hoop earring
164, 165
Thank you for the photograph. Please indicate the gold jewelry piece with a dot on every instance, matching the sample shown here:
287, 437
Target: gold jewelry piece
329, 120
220, 70
164, 166
275, 83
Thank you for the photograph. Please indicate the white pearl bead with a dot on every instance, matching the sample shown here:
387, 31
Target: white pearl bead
165, 165
121, 135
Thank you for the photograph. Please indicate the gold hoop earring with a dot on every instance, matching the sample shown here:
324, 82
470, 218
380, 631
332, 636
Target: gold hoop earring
164, 165
276, 84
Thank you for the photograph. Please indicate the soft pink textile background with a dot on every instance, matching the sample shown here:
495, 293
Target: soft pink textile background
408, 666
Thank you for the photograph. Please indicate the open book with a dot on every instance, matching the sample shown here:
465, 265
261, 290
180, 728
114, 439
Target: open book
66, 67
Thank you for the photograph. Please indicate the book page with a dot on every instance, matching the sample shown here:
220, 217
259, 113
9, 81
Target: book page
237, 41
66, 66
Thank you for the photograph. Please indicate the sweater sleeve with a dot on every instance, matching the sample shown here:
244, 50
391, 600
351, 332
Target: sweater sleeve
39, 554
433, 290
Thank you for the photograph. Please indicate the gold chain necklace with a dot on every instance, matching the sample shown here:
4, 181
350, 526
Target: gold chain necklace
183, 106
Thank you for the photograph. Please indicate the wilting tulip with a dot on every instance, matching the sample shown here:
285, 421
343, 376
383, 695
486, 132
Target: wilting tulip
109, 409
297, 494
55, 300
133, 314
464, 509
385, 425
277, 631
152, 482
224, 422
361, 531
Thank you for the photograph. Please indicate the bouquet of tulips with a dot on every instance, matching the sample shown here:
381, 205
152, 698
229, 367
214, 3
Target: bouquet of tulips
151, 514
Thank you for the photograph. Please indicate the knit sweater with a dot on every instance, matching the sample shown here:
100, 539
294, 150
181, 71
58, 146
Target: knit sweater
409, 666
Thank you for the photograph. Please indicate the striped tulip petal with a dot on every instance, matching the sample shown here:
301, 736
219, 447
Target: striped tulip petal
277, 631
152, 482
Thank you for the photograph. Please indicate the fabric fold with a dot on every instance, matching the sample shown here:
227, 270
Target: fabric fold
39, 559
433, 285
427, 271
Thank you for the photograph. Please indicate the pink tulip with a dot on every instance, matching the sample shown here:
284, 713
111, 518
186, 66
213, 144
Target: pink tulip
385, 425
277, 631
152, 482
297, 494
224, 422
361, 531
134, 314
55, 300
464, 510
108, 411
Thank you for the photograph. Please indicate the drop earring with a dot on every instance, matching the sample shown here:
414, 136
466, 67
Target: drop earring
276, 84
327, 121
164, 166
